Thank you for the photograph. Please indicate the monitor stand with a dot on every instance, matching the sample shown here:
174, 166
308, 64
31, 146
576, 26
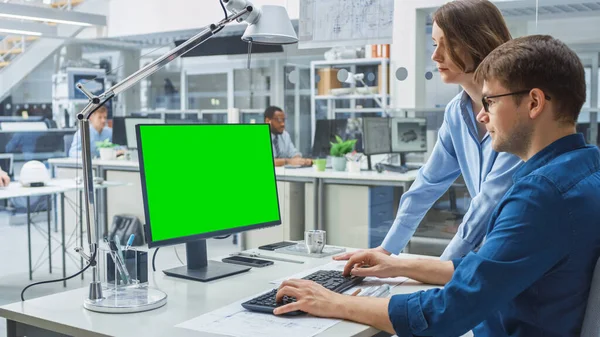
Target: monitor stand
200, 269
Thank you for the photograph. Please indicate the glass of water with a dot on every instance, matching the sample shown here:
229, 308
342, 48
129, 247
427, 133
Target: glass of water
315, 241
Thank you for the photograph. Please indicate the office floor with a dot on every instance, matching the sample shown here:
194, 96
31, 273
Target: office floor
14, 262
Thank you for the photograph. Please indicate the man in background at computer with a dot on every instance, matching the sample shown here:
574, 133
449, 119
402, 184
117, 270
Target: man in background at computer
533, 273
284, 151
99, 132
4, 179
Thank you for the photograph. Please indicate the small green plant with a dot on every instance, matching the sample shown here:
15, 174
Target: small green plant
106, 144
341, 147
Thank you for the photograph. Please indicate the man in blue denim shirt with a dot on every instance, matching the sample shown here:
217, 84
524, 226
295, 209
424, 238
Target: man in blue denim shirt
532, 275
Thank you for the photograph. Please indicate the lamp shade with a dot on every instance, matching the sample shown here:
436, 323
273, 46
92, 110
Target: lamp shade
273, 26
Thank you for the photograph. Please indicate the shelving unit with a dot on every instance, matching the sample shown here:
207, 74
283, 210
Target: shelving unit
351, 65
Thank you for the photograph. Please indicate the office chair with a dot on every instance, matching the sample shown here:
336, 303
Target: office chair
591, 323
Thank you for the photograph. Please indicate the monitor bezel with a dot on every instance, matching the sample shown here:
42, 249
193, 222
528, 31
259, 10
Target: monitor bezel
191, 238
394, 132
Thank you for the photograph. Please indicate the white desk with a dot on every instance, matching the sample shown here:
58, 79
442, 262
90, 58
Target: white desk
53, 187
64, 313
329, 190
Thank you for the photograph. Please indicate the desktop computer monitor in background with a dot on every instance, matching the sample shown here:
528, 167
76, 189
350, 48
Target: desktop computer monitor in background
119, 133
209, 197
327, 129
325, 132
377, 137
130, 124
409, 135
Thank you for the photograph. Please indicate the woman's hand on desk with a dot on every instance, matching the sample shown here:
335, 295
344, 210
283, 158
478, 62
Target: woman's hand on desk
347, 256
369, 263
311, 298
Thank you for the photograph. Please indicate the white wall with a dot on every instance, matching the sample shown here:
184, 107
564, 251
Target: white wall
135, 17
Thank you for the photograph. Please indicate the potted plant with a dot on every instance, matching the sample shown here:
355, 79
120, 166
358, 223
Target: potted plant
107, 150
339, 151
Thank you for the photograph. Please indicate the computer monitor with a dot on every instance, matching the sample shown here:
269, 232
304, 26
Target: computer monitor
377, 138
131, 122
118, 129
327, 129
208, 198
409, 135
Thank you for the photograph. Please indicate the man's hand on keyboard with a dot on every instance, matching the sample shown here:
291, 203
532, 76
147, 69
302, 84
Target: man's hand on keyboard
347, 256
310, 297
368, 263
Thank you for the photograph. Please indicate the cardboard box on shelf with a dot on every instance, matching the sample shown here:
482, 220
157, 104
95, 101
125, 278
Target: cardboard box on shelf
328, 80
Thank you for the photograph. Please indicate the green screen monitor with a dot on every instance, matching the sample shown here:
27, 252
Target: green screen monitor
205, 180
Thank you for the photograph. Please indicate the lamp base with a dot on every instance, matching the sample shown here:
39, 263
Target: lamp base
127, 300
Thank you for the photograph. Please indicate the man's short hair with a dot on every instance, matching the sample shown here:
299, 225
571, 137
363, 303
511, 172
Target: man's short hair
103, 108
270, 111
543, 62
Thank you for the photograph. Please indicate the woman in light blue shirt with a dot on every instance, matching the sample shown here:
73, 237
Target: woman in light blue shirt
463, 145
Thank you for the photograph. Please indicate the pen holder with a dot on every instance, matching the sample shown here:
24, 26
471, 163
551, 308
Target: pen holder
354, 166
130, 269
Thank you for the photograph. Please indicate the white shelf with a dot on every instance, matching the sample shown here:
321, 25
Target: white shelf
363, 61
350, 96
365, 110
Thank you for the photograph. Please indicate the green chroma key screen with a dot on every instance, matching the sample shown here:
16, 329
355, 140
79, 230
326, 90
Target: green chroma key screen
207, 178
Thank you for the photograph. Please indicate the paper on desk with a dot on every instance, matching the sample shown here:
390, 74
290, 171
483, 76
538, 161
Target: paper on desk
339, 265
234, 320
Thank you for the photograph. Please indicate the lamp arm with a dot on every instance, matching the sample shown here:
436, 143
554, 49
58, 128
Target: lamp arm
96, 101
377, 100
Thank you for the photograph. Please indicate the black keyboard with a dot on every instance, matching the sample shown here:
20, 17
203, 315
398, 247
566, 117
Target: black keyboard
330, 279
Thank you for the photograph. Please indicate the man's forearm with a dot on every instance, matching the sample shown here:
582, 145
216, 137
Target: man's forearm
426, 271
365, 310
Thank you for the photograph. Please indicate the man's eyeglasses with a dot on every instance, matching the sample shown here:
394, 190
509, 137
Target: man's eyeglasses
279, 120
486, 104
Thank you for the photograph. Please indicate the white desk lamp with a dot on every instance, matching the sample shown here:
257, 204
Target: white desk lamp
345, 76
269, 25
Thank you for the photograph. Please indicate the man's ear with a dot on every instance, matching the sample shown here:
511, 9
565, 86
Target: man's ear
537, 102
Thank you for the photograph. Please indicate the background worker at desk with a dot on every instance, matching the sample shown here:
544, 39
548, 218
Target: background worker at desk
532, 275
99, 132
463, 145
4, 178
284, 151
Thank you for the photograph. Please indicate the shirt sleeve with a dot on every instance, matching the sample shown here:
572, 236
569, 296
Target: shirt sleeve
75, 149
290, 149
526, 240
433, 180
474, 224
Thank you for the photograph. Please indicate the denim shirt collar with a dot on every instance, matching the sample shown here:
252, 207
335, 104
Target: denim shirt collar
557, 148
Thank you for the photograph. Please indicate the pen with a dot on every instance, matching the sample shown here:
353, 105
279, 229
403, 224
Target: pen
267, 257
382, 291
118, 260
356, 292
117, 241
130, 241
